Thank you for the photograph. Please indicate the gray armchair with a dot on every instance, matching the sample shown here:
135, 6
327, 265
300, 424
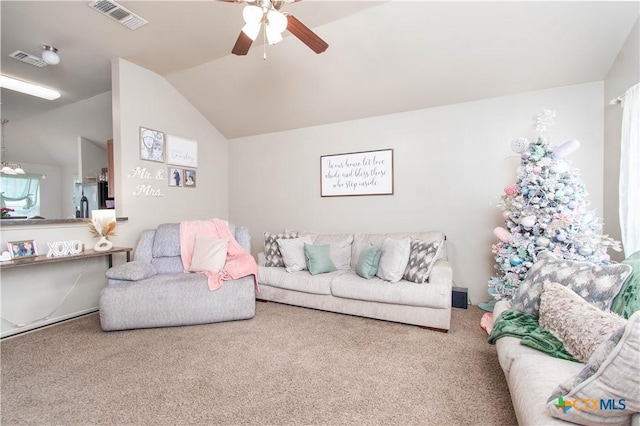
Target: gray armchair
153, 291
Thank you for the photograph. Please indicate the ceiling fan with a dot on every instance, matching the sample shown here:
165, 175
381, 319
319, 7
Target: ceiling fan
267, 12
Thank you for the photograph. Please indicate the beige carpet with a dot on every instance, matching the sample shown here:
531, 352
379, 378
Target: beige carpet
288, 365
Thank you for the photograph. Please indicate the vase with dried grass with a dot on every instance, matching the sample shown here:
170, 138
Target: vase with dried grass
102, 229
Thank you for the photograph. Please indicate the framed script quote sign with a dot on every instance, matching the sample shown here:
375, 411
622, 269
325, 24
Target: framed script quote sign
182, 152
357, 173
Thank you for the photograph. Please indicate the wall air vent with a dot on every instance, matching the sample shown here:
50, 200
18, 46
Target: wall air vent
118, 13
29, 59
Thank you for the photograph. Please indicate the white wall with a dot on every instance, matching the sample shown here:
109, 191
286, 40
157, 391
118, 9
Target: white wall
624, 73
451, 164
143, 98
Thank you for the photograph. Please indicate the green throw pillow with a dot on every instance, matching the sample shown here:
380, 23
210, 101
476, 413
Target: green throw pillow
628, 299
318, 259
368, 261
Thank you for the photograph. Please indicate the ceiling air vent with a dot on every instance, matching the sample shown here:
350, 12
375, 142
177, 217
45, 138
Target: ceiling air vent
29, 59
118, 13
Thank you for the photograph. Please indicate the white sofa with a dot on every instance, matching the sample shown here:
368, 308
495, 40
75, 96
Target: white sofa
424, 304
533, 375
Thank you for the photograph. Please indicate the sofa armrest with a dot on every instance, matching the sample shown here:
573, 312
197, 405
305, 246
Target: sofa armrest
131, 271
441, 273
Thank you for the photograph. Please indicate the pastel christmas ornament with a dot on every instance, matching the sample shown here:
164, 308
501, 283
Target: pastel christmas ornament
502, 234
561, 236
566, 148
519, 145
537, 169
515, 260
506, 214
512, 190
528, 221
542, 241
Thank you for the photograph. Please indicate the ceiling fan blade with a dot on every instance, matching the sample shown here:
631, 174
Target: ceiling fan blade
305, 35
243, 43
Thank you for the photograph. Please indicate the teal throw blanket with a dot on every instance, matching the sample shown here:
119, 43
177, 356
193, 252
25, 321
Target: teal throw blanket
514, 323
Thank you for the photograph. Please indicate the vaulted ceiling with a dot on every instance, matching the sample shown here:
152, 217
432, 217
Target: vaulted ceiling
383, 57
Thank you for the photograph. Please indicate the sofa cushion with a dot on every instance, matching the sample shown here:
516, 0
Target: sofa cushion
394, 259
166, 242
563, 312
292, 251
272, 254
531, 379
168, 265
318, 258
597, 284
340, 247
299, 280
361, 241
369, 261
350, 286
132, 271
612, 375
209, 254
421, 259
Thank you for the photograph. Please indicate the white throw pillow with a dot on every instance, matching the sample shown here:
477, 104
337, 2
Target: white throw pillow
611, 377
394, 259
209, 254
292, 251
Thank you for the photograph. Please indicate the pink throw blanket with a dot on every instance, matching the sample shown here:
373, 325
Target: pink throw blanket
239, 262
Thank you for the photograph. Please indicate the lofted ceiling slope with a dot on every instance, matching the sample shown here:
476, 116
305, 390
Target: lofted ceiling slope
383, 57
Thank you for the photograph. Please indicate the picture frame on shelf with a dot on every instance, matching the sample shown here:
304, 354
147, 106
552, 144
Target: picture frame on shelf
23, 249
152, 145
189, 178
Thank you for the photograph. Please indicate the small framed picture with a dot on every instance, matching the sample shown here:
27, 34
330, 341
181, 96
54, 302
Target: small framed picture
176, 176
22, 249
189, 178
151, 145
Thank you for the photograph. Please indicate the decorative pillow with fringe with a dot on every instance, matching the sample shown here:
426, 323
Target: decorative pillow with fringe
580, 327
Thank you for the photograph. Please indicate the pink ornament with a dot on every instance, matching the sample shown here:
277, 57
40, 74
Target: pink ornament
502, 234
512, 190
537, 169
566, 148
506, 214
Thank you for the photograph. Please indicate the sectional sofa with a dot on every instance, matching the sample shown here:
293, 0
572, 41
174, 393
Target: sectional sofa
421, 296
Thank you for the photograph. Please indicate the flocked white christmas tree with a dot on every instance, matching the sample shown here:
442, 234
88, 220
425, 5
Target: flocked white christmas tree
546, 209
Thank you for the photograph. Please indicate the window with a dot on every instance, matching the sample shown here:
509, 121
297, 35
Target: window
21, 193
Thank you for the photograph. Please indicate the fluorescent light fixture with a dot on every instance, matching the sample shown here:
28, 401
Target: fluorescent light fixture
28, 88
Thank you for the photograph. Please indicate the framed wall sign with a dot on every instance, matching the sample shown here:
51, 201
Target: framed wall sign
182, 152
357, 173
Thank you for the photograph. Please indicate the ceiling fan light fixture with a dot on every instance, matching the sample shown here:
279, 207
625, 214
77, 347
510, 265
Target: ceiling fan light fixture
252, 30
273, 35
50, 55
277, 21
252, 14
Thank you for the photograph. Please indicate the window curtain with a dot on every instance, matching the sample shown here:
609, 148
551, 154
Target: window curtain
19, 188
630, 171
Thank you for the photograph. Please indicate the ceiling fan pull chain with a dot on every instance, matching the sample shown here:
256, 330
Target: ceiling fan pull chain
264, 42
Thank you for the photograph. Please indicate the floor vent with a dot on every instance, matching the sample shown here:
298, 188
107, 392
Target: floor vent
29, 59
118, 13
